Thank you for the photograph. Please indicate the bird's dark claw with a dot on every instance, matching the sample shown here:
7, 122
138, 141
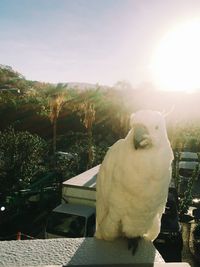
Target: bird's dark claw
133, 244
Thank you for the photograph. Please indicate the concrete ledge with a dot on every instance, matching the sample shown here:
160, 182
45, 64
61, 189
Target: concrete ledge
76, 252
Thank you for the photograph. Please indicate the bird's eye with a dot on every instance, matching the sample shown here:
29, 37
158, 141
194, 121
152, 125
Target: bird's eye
156, 127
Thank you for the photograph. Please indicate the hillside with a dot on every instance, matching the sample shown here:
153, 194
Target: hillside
27, 105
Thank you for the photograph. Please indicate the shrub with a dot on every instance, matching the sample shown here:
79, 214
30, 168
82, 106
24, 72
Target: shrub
196, 231
21, 159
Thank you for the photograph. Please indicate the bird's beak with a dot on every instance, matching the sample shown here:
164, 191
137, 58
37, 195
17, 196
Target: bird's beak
141, 137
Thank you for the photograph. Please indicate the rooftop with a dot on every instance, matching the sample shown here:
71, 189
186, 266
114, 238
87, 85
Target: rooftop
85, 179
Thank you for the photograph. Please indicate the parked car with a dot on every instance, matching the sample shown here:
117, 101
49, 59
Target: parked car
186, 169
189, 156
169, 241
187, 164
71, 221
77, 208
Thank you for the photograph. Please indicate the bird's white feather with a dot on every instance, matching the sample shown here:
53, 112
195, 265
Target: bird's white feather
132, 184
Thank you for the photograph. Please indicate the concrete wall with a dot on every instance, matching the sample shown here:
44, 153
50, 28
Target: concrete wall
74, 251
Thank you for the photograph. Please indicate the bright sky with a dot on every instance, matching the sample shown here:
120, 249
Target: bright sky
94, 41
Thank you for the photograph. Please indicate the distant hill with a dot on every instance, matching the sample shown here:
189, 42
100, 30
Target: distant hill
85, 86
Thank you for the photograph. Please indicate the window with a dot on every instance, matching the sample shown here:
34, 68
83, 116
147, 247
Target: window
185, 172
67, 225
91, 222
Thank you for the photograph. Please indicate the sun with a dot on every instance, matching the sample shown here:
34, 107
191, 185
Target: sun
176, 61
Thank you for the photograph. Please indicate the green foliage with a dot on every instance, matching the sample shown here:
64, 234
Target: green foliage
77, 144
21, 158
99, 123
185, 136
196, 231
11, 81
8, 77
187, 198
100, 151
175, 170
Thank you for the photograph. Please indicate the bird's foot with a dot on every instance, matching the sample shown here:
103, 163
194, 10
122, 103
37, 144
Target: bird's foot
133, 244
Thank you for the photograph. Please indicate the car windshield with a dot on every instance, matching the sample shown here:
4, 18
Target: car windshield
189, 159
67, 225
185, 172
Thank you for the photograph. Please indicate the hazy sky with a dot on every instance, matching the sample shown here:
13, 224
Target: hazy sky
95, 41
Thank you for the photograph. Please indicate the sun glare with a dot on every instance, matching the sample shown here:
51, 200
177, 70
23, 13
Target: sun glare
176, 62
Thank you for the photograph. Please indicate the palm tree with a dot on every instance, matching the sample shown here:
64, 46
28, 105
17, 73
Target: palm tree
88, 120
56, 104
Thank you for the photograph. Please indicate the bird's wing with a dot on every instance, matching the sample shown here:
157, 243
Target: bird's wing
105, 182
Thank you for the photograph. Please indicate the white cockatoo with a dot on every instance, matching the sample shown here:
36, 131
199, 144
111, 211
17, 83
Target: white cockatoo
133, 180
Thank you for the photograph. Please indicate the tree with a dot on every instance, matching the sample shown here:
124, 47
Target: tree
50, 99
11, 80
21, 158
187, 198
56, 104
88, 120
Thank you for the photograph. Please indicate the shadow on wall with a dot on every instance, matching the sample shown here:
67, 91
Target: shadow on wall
76, 252
94, 252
